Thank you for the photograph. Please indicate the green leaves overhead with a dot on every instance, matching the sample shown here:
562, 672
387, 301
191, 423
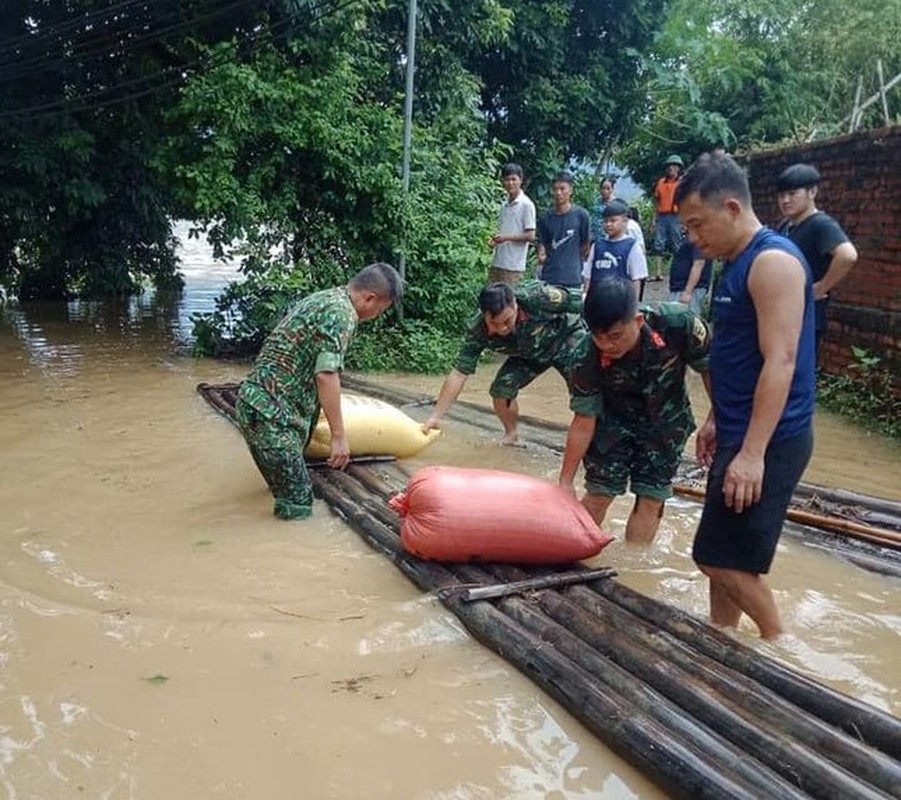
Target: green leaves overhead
745, 73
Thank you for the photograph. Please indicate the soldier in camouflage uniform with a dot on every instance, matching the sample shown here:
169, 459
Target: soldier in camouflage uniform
536, 325
632, 415
297, 373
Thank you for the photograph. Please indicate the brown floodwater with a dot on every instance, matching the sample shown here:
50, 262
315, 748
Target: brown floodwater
163, 636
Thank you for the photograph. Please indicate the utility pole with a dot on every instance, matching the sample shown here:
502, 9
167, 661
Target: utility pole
408, 134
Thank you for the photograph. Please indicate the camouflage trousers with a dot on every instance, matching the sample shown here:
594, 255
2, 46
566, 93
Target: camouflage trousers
277, 451
518, 372
644, 457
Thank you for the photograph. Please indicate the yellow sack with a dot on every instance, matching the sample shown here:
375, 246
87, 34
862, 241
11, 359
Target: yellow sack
373, 428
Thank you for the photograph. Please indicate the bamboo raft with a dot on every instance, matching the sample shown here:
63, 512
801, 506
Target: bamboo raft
700, 714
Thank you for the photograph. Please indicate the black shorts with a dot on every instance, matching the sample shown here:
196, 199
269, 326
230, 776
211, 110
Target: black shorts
747, 541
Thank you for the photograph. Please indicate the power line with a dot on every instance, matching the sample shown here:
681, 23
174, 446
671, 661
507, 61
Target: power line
103, 46
63, 27
64, 106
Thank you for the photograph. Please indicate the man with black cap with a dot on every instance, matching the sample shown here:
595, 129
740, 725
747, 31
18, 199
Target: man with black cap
825, 245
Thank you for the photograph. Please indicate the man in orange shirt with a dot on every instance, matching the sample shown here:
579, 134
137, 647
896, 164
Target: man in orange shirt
667, 228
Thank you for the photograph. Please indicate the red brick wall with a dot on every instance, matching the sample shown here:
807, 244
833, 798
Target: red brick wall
861, 188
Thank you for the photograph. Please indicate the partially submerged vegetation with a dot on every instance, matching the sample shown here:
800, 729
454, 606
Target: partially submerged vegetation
866, 393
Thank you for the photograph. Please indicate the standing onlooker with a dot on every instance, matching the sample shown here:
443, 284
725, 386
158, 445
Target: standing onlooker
608, 185
297, 373
689, 277
516, 228
667, 228
825, 245
616, 254
758, 437
564, 237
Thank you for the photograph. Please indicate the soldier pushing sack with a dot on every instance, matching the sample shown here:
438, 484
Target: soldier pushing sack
297, 373
631, 412
536, 325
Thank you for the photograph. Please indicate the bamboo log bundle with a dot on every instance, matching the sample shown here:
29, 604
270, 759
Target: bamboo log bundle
861, 720
774, 731
685, 758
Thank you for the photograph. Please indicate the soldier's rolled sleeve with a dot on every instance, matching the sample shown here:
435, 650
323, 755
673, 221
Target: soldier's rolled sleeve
328, 361
586, 405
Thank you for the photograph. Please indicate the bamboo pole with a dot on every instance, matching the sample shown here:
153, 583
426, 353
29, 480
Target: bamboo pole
701, 651
850, 498
681, 731
748, 749
552, 581
879, 536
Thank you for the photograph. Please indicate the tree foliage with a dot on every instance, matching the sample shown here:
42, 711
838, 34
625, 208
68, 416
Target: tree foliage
296, 151
118, 116
744, 73
83, 87
277, 126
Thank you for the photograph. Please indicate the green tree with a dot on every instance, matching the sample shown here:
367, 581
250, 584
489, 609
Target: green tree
82, 88
744, 74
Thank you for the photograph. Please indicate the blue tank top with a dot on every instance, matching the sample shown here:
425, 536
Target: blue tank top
610, 259
735, 357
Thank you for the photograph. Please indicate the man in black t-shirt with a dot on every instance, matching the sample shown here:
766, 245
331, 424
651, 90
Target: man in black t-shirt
821, 239
564, 237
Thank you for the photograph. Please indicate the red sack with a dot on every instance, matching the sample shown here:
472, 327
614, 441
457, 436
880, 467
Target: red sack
456, 514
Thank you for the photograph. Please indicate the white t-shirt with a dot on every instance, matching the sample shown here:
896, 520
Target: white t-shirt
516, 216
634, 230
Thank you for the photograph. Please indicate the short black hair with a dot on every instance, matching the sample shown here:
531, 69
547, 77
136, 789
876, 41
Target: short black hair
714, 175
608, 302
495, 297
616, 208
511, 169
797, 176
381, 279
564, 176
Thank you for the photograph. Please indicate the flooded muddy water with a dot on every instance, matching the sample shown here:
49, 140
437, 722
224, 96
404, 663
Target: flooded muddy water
163, 636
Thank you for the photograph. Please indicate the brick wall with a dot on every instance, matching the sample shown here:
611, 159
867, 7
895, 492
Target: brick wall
861, 188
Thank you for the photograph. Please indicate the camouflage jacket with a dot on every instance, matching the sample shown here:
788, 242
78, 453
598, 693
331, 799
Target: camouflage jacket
646, 386
312, 338
547, 317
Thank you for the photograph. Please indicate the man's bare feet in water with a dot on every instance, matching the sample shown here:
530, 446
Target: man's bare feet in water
511, 440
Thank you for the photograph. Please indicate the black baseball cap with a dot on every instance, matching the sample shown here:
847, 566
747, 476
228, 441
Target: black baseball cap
797, 176
616, 208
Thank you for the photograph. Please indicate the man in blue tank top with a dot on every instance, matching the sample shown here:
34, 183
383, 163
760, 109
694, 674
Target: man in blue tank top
758, 437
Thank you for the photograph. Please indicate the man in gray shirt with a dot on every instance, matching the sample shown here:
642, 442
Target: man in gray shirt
516, 228
564, 237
